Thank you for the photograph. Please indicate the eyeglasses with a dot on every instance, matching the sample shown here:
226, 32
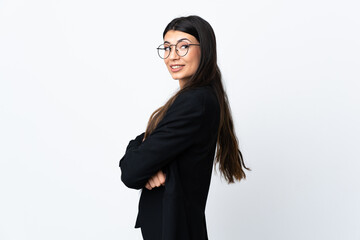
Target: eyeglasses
182, 48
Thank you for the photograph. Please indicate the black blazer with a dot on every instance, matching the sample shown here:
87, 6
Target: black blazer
183, 146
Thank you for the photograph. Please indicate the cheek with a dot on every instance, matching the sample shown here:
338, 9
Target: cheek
195, 64
166, 63
196, 60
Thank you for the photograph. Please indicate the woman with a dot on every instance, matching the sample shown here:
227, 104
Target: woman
172, 160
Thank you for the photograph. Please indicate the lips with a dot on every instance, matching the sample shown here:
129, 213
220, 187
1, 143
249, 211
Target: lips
176, 67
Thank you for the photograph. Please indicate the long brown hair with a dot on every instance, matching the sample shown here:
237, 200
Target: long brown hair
228, 155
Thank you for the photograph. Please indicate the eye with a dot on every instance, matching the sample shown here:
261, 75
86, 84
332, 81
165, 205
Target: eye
167, 48
183, 45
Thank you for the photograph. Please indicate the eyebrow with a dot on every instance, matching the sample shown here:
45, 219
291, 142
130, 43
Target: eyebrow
178, 40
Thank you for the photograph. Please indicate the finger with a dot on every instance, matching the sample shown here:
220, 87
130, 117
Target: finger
156, 180
161, 177
148, 186
152, 183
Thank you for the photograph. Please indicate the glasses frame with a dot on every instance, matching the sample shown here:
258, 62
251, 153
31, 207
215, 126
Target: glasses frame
176, 49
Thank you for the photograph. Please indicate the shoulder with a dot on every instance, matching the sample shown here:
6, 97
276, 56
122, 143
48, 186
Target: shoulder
200, 97
194, 105
192, 109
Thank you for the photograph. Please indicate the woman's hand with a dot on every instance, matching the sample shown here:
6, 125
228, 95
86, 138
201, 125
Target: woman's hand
156, 181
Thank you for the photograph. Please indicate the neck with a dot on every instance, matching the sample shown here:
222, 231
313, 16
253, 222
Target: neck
181, 83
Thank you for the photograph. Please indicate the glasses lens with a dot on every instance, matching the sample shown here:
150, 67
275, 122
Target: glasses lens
163, 51
182, 48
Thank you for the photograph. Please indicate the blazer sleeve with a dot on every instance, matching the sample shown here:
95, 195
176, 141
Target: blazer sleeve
135, 142
175, 133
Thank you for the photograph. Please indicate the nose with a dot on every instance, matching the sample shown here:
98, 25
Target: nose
173, 54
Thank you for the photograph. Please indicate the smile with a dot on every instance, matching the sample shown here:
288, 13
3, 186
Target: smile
176, 68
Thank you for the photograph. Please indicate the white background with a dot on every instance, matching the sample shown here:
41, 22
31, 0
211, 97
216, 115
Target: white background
79, 79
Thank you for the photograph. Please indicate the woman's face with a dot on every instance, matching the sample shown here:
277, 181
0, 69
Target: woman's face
182, 68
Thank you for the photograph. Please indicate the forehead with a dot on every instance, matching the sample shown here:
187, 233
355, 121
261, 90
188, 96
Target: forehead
173, 36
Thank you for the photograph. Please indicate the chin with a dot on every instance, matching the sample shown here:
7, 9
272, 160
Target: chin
175, 77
